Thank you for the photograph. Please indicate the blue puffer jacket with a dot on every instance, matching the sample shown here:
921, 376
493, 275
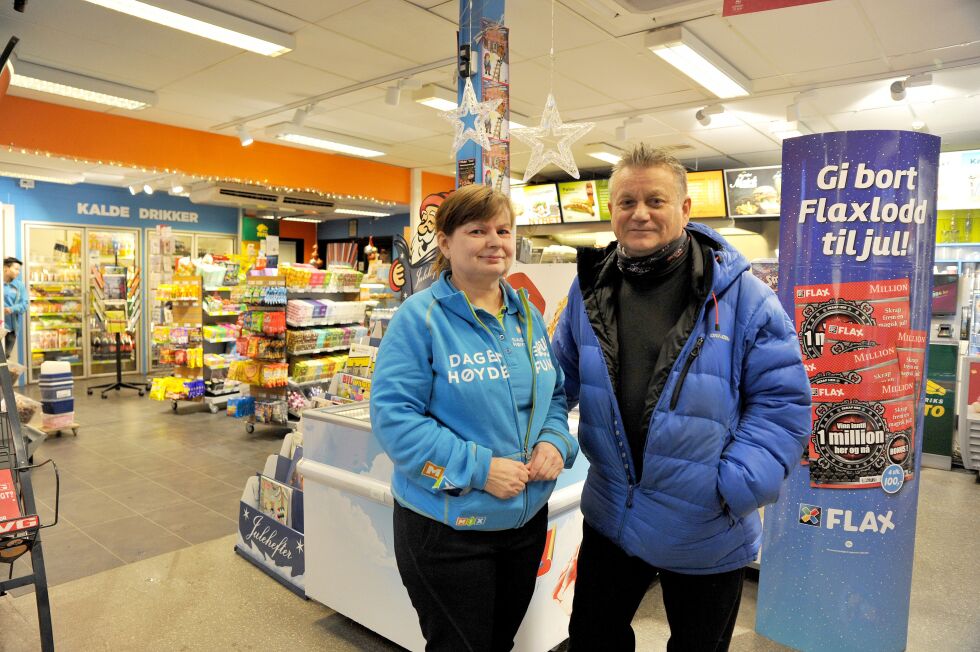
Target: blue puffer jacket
442, 406
727, 424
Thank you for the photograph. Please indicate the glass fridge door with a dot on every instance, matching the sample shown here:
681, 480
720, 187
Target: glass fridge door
109, 249
164, 252
214, 245
53, 277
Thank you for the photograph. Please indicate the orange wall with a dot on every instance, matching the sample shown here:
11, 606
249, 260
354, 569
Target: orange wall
302, 230
93, 136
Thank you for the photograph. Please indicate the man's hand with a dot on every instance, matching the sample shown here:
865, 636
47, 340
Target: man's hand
546, 462
506, 479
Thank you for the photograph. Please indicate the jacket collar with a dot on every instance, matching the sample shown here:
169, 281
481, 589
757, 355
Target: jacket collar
454, 300
597, 267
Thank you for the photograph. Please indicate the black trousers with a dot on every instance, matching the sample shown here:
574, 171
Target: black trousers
9, 341
471, 589
701, 609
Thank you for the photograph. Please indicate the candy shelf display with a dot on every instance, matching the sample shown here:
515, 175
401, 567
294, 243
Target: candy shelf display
324, 320
179, 343
263, 371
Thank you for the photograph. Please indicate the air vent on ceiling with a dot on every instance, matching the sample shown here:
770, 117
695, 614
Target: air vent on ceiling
655, 6
302, 201
248, 194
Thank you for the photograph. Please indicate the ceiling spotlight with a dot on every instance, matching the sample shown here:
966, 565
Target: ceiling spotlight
625, 130
919, 125
704, 114
898, 87
299, 118
134, 189
393, 95
244, 137
176, 188
147, 188
793, 112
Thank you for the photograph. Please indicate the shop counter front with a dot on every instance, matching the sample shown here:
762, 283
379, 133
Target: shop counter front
350, 554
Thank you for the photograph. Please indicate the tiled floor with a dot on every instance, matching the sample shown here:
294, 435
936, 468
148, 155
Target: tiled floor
141, 485
139, 481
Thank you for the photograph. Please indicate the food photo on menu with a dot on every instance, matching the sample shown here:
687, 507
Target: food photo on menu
536, 204
753, 192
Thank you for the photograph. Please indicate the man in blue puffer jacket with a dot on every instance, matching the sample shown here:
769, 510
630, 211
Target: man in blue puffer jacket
694, 408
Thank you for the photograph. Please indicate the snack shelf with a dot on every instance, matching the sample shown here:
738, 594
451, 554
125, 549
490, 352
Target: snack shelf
340, 347
321, 322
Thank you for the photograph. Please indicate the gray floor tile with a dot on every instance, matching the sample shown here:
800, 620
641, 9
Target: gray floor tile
150, 464
69, 554
225, 503
193, 484
193, 522
144, 495
135, 538
84, 508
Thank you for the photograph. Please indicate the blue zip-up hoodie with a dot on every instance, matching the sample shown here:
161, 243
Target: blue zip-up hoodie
725, 429
442, 407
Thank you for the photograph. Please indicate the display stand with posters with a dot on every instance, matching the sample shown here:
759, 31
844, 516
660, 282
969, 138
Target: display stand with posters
855, 270
117, 306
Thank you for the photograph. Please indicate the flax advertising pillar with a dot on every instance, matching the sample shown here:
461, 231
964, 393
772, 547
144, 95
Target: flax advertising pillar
855, 273
481, 27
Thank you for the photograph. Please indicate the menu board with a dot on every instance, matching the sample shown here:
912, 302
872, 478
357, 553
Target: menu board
707, 193
584, 201
753, 192
536, 204
959, 180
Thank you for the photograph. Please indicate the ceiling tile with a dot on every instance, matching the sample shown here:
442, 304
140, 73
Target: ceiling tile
908, 26
335, 53
733, 140
406, 30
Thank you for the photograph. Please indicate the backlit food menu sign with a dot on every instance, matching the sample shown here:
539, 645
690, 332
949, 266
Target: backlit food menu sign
707, 193
753, 192
536, 204
959, 180
584, 201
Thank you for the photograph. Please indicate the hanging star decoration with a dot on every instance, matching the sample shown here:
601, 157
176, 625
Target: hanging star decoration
551, 140
470, 119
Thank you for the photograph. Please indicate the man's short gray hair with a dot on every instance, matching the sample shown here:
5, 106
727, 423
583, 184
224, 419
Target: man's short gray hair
642, 157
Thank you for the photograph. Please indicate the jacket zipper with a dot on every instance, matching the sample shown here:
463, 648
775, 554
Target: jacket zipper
534, 379
691, 357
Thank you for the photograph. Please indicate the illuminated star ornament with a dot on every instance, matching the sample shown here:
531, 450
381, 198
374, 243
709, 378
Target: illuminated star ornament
551, 141
470, 119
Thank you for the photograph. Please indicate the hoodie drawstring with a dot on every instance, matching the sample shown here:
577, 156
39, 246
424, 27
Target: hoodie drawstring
717, 324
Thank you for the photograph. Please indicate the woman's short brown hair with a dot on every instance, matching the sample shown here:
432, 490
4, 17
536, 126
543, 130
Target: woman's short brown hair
472, 203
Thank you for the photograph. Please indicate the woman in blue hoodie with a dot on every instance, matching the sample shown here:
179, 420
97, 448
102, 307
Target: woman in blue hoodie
467, 401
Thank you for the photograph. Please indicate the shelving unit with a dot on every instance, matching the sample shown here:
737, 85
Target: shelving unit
269, 401
184, 294
218, 388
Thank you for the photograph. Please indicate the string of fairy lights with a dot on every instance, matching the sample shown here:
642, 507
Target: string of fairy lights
153, 171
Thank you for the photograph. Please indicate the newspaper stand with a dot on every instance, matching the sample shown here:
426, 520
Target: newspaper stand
19, 522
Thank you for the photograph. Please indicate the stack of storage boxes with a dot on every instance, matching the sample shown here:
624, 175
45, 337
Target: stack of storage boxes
57, 395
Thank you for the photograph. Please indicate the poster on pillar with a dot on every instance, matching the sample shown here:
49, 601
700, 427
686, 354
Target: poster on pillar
495, 83
855, 275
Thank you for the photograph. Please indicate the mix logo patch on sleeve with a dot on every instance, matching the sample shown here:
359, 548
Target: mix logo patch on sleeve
433, 471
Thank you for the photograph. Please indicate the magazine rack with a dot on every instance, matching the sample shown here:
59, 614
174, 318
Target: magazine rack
19, 522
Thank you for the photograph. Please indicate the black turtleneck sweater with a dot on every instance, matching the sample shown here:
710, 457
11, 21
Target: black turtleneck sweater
647, 307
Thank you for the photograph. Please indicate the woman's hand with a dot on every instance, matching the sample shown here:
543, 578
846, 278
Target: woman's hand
546, 462
506, 479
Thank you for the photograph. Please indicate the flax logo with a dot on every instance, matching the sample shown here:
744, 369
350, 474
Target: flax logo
470, 521
833, 518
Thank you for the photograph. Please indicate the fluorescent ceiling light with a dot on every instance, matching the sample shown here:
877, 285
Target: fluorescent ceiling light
44, 79
686, 52
208, 23
352, 211
603, 152
435, 97
320, 139
301, 219
39, 174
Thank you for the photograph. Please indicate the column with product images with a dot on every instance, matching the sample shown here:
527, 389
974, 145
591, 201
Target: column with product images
481, 29
855, 274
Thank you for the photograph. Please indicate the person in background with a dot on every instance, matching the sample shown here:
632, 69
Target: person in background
694, 408
14, 303
467, 401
